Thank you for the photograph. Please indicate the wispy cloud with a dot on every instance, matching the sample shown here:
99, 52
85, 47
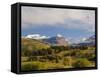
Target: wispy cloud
68, 18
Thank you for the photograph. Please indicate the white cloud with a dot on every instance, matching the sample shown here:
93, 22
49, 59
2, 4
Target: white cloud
38, 15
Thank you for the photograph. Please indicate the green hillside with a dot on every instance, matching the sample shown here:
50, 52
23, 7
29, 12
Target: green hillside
30, 45
34, 44
36, 55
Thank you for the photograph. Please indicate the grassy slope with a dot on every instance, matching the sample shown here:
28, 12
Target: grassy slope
34, 44
81, 56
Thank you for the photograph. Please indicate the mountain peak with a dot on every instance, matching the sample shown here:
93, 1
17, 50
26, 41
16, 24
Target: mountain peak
59, 35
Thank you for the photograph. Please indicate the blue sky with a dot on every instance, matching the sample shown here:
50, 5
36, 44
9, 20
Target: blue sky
73, 24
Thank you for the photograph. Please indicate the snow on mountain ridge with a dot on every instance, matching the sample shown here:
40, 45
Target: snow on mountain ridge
59, 35
36, 36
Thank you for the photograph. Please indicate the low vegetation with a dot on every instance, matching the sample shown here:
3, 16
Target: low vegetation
36, 55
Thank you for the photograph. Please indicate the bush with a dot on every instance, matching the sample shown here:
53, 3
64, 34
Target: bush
68, 61
83, 62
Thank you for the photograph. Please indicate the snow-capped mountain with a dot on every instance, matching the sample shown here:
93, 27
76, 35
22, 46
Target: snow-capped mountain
89, 41
58, 40
36, 36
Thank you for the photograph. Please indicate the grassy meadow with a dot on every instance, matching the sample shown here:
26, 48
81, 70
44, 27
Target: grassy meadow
36, 55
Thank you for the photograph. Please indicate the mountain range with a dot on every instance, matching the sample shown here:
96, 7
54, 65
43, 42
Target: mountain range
57, 40
60, 40
89, 41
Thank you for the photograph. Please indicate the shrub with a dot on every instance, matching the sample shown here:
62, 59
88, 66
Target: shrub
68, 61
82, 62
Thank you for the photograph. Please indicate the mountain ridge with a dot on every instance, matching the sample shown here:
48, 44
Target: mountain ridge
60, 40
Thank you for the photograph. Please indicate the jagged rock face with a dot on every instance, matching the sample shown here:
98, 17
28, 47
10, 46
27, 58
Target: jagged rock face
61, 41
58, 41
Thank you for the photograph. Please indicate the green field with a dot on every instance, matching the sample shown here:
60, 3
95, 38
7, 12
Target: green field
36, 55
